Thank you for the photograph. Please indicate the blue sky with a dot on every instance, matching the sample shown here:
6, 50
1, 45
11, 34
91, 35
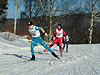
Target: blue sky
11, 10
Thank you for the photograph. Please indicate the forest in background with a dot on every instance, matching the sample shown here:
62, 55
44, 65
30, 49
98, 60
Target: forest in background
75, 25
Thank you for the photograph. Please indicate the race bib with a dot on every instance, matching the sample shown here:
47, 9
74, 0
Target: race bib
33, 33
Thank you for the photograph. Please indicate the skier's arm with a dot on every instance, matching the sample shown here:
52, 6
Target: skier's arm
54, 33
38, 28
42, 30
70, 39
64, 35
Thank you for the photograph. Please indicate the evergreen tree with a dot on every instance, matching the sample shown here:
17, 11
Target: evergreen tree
3, 13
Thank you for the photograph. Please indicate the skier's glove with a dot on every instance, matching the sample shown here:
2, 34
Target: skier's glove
52, 38
43, 34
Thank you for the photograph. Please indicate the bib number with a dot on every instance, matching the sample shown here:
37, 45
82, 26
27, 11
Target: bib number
33, 33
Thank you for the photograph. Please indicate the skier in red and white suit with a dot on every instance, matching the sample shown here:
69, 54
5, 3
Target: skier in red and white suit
59, 37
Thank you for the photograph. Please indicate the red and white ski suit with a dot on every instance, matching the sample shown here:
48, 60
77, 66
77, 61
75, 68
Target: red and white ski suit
59, 37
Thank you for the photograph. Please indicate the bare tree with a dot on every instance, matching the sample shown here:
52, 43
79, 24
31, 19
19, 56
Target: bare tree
50, 32
15, 16
32, 8
55, 6
18, 3
93, 7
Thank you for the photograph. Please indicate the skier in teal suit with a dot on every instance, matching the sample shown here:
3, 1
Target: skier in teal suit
36, 38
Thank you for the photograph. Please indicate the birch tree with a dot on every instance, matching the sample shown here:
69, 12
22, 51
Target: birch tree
93, 7
15, 16
18, 3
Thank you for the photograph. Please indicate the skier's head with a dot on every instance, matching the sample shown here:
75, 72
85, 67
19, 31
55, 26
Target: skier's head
59, 26
30, 23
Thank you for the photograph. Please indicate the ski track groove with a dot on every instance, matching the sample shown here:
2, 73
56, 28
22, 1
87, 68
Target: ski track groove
93, 68
80, 70
51, 63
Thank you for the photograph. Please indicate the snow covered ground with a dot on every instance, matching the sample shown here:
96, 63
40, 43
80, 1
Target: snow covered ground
82, 59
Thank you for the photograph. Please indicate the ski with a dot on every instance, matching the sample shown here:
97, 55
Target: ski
27, 60
41, 51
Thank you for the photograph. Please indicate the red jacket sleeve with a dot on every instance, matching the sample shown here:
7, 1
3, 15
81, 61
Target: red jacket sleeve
54, 33
64, 34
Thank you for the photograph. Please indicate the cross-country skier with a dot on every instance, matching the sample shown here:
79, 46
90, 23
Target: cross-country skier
36, 38
66, 42
59, 37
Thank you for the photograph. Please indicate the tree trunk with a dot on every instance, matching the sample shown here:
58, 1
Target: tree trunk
91, 28
50, 30
15, 17
30, 8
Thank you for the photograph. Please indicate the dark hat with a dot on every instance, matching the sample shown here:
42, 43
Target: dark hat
30, 23
60, 25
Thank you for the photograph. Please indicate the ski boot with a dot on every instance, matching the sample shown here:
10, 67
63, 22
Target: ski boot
55, 55
61, 54
33, 58
45, 50
66, 50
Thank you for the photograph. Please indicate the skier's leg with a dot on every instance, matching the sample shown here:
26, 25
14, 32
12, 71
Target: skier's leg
67, 47
60, 46
63, 46
54, 42
32, 48
45, 46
